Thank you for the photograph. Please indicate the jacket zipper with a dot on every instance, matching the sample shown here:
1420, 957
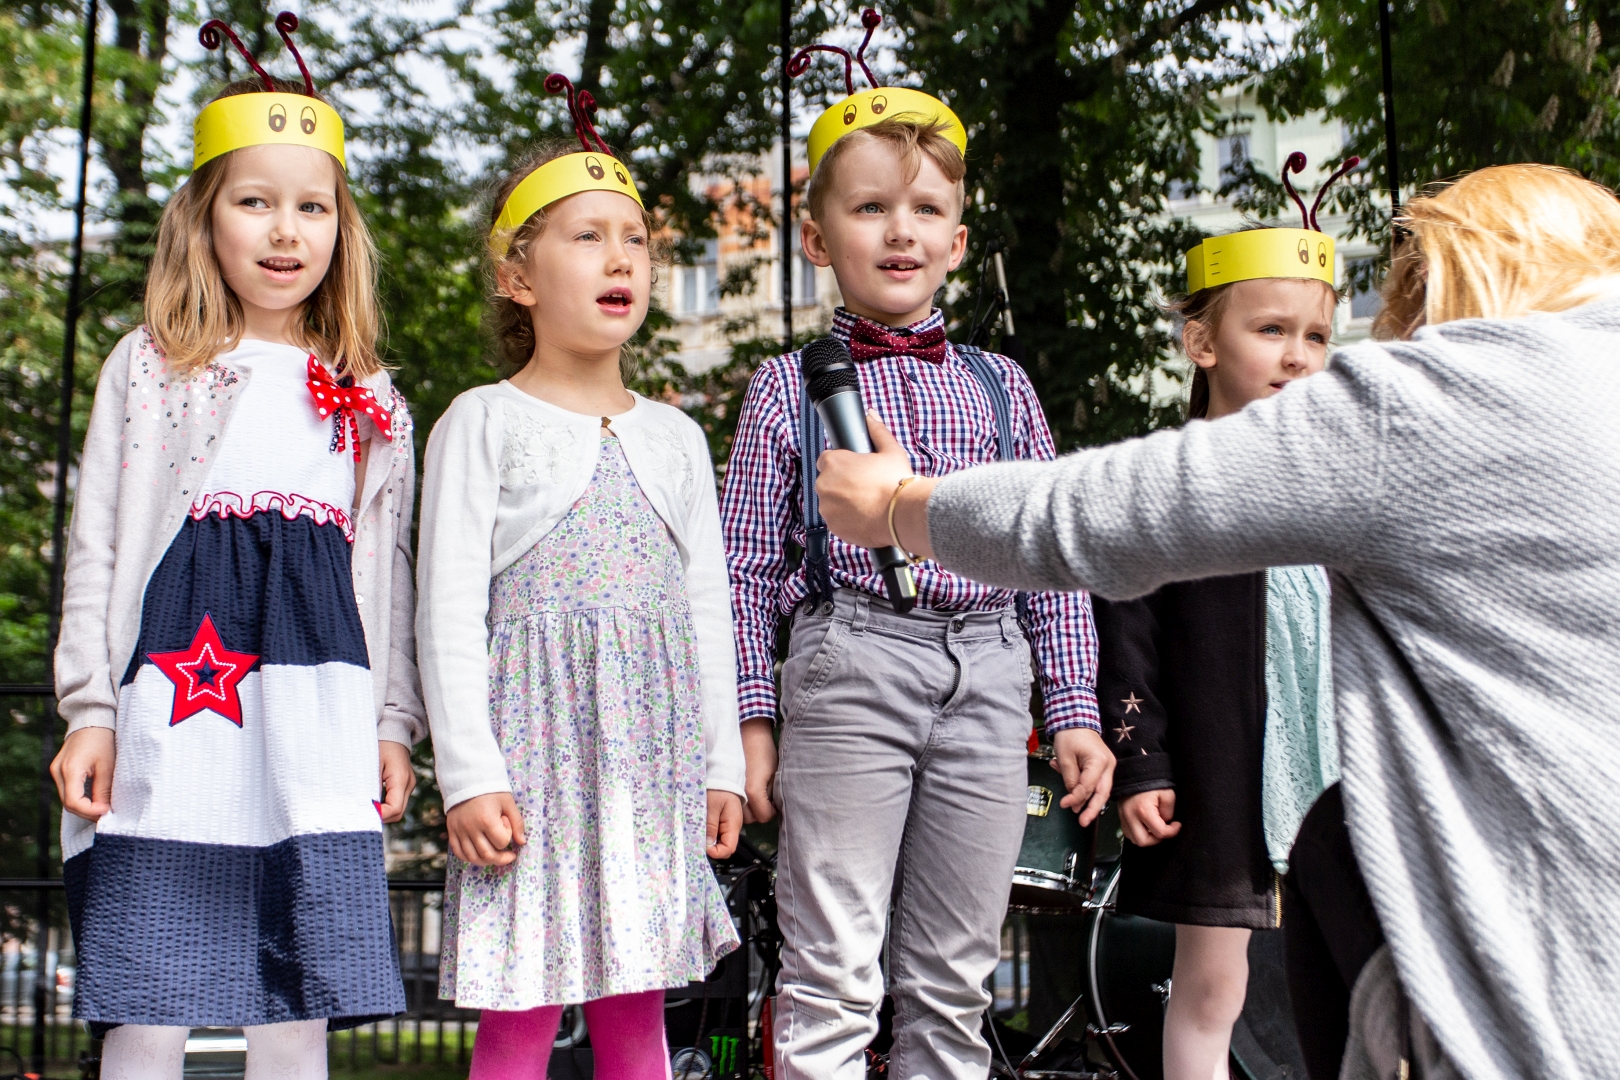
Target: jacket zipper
1265, 705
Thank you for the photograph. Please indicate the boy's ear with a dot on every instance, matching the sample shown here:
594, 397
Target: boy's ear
958, 245
512, 281
1198, 343
814, 243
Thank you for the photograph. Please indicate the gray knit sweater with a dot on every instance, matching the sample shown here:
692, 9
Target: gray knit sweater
1464, 489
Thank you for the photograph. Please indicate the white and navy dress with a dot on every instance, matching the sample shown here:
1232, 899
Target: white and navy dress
239, 878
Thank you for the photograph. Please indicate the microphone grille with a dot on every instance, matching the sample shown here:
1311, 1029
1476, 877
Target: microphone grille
828, 368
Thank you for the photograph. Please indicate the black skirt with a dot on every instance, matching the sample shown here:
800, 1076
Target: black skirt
1181, 685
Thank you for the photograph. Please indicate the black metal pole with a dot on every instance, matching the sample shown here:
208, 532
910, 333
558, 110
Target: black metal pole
787, 178
64, 449
1392, 166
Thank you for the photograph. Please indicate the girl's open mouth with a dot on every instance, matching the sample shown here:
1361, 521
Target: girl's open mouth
616, 301
282, 267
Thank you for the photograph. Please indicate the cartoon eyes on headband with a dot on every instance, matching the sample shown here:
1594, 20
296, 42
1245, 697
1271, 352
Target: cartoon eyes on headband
594, 167
849, 115
1305, 252
278, 117
306, 120
618, 174
879, 103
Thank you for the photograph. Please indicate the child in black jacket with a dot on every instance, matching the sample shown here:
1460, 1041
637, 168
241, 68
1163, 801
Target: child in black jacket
1216, 694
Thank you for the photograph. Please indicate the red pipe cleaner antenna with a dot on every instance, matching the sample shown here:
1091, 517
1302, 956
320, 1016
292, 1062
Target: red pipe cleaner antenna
1350, 163
871, 20
1296, 164
209, 35
286, 23
580, 104
801, 59
587, 106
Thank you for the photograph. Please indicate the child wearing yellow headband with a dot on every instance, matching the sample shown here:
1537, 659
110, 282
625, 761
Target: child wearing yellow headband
1217, 694
904, 762
576, 645
236, 659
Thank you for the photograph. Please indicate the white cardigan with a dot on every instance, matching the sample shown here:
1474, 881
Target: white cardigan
503, 468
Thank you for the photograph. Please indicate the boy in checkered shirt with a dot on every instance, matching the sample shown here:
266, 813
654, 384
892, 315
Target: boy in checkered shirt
902, 775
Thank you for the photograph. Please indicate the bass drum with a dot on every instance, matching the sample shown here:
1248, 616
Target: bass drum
1128, 965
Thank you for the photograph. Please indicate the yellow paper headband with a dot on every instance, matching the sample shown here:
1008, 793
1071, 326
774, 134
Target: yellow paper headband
587, 170
1270, 253
1260, 253
231, 123
558, 179
870, 106
259, 119
881, 103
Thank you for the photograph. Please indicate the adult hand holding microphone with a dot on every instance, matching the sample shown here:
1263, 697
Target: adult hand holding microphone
835, 391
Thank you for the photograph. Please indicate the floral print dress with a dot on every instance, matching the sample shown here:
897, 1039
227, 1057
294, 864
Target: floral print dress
594, 697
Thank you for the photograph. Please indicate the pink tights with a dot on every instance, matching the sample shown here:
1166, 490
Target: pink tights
627, 1040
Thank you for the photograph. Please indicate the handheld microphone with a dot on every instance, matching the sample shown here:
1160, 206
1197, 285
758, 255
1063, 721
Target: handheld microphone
835, 391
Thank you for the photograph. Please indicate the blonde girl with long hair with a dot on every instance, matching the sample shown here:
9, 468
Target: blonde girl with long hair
236, 657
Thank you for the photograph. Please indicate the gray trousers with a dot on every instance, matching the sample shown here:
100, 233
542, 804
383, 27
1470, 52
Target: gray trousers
902, 778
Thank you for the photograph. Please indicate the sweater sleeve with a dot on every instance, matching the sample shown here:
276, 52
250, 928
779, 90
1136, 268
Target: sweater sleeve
1134, 721
460, 493
708, 593
86, 684
1291, 479
404, 719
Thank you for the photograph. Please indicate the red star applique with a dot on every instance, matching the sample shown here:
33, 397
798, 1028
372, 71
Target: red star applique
205, 675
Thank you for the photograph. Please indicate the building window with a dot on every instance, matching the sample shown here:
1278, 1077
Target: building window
700, 282
804, 272
1234, 155
1365, 300
1182, 190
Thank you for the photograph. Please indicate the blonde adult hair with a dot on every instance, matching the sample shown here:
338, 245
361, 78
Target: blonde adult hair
911, 138
1501, 242
510, 323
193, 315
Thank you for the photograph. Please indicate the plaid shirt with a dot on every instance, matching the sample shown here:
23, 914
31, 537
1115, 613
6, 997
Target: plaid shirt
941, 414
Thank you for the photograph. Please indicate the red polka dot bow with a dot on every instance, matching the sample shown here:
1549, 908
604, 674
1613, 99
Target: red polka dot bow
869, 341
344, 400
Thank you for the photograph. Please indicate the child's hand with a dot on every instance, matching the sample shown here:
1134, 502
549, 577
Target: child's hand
398, 779
725, 822
86, 755
486, 830
759, 756
1145, 817
1087, 766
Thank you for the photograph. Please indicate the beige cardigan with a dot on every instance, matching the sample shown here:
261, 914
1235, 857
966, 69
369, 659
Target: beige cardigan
148, 449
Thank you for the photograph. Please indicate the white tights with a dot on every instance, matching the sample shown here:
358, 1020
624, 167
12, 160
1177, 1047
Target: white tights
292, 1051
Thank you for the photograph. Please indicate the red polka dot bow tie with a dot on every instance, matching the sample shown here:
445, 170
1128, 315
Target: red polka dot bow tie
869, 341
344, 400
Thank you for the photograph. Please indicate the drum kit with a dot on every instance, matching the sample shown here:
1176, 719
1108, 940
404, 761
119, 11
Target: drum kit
1114, 1028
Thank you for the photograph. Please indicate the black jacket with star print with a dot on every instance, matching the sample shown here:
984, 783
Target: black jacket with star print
1181, 685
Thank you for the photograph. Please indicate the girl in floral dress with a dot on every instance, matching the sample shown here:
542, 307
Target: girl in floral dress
576, 650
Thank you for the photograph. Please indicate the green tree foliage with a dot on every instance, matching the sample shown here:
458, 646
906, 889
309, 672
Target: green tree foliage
1081, 113
1476, 84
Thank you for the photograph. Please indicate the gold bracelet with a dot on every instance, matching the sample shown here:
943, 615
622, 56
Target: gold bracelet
893, 501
